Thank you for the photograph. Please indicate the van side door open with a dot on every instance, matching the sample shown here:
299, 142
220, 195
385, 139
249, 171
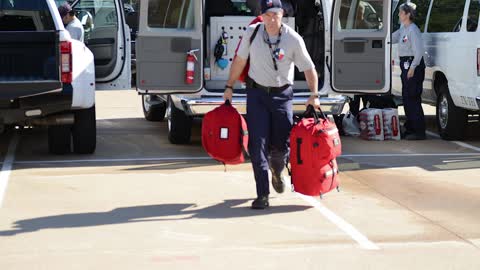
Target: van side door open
361, 46
168, 30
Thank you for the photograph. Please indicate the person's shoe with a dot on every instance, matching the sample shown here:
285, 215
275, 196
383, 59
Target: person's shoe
415, 137
278, 182
260, 203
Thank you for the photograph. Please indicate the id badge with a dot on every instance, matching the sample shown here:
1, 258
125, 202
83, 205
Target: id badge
406, 65
224, 133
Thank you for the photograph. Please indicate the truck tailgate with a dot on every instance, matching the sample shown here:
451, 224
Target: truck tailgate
29, 63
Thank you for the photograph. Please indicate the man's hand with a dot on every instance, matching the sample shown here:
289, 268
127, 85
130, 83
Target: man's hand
314, 101
228, 94
410, 73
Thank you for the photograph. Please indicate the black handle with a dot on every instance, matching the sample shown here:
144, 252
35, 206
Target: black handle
311, 112
299, 147
227, 102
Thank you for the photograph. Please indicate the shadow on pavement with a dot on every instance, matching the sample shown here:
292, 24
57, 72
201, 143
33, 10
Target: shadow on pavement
148, 213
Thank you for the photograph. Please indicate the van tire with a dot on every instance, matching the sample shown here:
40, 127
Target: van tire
84, 131
179, 124
154, 113
451, 120
59, 139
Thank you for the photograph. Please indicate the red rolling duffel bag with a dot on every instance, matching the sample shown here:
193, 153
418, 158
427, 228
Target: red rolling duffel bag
224, 133
315, 144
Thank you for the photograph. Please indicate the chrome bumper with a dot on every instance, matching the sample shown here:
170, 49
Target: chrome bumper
201, 106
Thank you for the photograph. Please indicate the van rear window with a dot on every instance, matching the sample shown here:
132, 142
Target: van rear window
21, 15
171, 14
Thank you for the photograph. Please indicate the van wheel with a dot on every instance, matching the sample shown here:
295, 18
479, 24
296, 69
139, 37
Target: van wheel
84, 131
153, 112
179, 125
451, 120
59, 139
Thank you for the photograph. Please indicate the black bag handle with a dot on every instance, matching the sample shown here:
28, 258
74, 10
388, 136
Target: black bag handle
227, 102
311, 112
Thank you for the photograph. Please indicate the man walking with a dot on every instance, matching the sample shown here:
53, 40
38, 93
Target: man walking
273, 52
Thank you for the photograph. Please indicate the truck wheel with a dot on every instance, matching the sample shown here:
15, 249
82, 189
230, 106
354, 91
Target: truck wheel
84, 131
451, 120
154, 113
179, 125
59, 139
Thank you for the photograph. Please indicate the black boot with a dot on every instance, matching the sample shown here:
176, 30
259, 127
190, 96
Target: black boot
278, 182
260, 203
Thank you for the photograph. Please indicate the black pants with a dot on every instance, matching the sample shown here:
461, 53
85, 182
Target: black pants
270, 119
412, 96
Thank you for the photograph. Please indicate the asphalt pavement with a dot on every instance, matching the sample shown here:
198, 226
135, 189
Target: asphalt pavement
142, 203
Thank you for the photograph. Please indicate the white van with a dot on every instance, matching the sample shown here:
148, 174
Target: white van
352, 42
452, 78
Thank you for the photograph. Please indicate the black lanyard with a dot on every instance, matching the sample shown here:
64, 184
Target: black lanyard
272, 51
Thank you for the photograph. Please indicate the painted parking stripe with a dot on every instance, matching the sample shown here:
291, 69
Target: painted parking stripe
412, 155
7, 167
346, 227
153, 159
462, 144
112, 160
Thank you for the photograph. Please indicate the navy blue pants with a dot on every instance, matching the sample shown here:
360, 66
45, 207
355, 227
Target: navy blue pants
270, 120
412, 97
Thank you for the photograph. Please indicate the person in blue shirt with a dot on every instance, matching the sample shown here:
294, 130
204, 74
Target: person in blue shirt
411, 51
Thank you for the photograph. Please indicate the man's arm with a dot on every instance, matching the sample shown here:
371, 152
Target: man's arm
304, 63
235, 71
312, 80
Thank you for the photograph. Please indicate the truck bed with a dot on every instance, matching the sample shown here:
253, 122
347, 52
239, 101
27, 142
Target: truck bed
29, 63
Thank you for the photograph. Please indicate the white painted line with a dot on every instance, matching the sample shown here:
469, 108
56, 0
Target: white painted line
169, 159
341, 223
7, 167
433, 134
462, 144
413, 155
111, 160
468, 146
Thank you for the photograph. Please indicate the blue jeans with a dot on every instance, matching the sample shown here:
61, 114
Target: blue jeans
270, 120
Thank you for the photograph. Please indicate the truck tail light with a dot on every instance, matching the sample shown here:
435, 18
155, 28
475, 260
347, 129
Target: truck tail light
478, 62
66, 61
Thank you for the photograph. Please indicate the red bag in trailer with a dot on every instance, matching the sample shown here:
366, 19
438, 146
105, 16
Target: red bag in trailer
315, 144
224, 134
244, 74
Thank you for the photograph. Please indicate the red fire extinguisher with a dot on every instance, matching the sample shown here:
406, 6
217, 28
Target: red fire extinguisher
191, 59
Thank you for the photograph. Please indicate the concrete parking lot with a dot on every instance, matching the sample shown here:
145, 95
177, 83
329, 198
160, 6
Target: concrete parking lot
142, 203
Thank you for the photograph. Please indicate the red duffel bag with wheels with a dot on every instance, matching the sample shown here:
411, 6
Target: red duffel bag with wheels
224, 134
315, 144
